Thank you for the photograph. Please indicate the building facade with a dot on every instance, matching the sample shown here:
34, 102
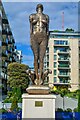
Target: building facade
8, 51
63, 58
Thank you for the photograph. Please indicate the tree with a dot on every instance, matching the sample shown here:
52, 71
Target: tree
14, 105
17, 76
69, 30
79, 100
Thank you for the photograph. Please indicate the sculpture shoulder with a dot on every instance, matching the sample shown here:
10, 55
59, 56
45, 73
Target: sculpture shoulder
32, 16
47, 17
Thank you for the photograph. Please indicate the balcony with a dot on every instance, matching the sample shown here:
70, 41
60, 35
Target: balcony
61, 45
4, 66
4, 54
63, 52
64, 59
64, 75
4, 58
9, 42
4, 21
9, 50
9, 33
4, 48
4, 32
63, 66
13, 41
4, 43
10, 55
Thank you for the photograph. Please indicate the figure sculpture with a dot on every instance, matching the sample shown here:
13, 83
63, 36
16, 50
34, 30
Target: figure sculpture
39, 33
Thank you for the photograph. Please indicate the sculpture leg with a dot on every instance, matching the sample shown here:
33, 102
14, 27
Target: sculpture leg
43, 46
34, 46
36, 65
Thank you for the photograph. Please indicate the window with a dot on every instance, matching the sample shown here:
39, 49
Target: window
55, 57
60, 42
47, 64
55, 50
55, 72
55, 64
55, 79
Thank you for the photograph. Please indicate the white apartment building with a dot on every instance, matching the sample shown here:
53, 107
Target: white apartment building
63, 58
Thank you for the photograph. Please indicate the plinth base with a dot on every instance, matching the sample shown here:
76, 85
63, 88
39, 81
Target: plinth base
38, 90
38, 106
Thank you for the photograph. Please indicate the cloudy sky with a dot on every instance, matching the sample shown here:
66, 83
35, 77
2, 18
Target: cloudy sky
18, 16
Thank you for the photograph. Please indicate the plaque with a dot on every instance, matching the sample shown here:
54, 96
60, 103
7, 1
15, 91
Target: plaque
38, 103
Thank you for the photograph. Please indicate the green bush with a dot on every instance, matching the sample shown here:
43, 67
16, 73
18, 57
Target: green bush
18, 109
75, 109
2, 110
14, 105
59, 110
78, 100
68, 110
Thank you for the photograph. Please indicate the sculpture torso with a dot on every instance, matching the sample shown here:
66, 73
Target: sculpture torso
39, 21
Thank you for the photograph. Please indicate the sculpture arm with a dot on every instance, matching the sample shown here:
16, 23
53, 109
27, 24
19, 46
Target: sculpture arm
31, 27
47, 17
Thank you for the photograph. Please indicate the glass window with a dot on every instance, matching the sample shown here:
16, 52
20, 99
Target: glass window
55, 79
55, 50
55, 57
60, 42
55, 64
55, 72
47, 64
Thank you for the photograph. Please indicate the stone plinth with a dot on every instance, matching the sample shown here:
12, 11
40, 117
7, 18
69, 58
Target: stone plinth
38, 106
38, 90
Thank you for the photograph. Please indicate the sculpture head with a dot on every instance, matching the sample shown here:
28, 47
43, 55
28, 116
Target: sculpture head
39, 8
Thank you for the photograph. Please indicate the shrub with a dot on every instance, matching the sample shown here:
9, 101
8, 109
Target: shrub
19, 109
2, 110
59, 110
14, 105
75, 109
68, 110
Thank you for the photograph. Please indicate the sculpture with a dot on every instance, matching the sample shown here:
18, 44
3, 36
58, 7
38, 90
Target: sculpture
39, 33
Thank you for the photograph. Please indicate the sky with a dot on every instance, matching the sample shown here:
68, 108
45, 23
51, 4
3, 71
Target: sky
18, 16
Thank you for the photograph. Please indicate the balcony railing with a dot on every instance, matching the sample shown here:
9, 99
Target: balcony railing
64, 75
63, 52
64, 66
4, 54
63, 59
4, 43
9, 42
61, 45
9, 33
4, 32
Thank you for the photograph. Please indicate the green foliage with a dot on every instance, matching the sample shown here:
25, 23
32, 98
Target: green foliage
55, 30
17, 75
69, 30
16, 92
2, 110
14, 105
62, 90
68, 110
75, 109
59, 110
78, 100
73, 94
